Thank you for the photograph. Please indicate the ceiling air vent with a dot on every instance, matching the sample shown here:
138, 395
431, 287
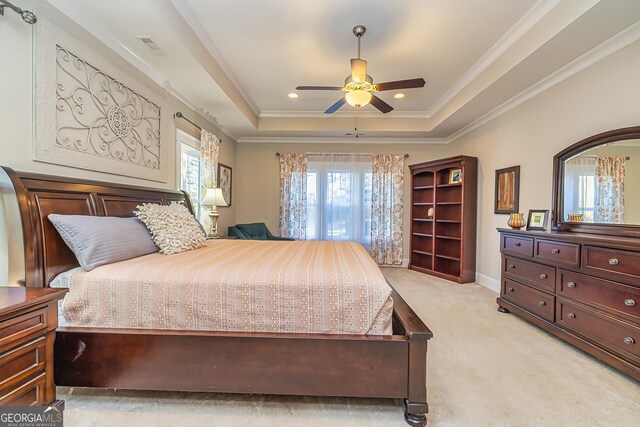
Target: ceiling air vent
151, 44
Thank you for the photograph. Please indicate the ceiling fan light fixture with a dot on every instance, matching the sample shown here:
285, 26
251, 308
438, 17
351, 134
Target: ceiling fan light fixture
358, 98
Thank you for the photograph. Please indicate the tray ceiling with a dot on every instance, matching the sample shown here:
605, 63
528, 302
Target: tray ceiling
237, 61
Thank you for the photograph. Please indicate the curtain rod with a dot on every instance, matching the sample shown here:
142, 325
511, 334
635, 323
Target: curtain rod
179, 115
406, 156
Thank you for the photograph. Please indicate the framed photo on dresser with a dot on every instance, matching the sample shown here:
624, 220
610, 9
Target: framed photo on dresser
538, 219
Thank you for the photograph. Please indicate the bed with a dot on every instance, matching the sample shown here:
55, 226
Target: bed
314, 364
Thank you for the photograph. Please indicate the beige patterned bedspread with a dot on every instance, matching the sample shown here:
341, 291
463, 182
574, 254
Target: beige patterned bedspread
238, 285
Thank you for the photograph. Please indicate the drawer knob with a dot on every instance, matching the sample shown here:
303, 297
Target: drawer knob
571, 316
555, 251
517, 244
510, 290
571, 285
543, 276
511, 266
629, 340
542, 303
629, 302
614, 261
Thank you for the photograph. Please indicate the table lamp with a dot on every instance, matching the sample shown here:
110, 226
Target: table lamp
214, 198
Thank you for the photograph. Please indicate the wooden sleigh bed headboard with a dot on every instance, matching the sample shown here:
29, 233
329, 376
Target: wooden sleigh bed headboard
45, 253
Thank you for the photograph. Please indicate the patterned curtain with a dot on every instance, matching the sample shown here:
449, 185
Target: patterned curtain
293, 195
386, 208
209, 150
610, 195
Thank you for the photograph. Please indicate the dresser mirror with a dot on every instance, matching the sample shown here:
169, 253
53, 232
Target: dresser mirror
595, 184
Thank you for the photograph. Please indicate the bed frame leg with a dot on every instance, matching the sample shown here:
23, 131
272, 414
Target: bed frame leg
415, 404
502, 309
414, 414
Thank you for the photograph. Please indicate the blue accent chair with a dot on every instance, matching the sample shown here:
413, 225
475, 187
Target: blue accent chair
255, 231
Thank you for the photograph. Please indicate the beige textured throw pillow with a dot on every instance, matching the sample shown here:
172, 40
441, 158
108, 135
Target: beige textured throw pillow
173, 228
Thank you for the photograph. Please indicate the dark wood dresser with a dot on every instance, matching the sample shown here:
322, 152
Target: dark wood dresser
583, 288
28, 320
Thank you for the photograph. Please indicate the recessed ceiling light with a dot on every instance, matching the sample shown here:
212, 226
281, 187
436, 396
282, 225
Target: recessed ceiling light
398, 95
293, 95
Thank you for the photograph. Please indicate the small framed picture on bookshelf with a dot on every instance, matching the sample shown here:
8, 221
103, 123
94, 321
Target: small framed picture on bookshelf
455, 176
537, 219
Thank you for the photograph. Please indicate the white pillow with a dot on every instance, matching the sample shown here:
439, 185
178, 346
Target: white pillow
172, 227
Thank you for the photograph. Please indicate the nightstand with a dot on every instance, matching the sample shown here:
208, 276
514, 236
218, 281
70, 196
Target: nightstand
28, 321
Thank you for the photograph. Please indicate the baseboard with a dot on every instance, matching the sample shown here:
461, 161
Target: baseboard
488, 282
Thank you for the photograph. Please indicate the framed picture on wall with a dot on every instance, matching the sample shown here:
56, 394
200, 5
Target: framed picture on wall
224, 181
507, 190
538, 219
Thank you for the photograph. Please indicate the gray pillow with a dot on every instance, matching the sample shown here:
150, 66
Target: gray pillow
99, 240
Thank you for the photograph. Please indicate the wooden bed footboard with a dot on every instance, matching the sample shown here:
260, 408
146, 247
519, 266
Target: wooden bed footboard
292, 364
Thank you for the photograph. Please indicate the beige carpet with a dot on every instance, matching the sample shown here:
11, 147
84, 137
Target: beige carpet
485, 369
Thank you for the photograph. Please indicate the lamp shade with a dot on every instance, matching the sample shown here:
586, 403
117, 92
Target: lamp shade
214, 197
358, 98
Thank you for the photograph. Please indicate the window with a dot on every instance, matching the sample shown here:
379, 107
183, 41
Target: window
587, 197
189, 170
580, 188
339, 197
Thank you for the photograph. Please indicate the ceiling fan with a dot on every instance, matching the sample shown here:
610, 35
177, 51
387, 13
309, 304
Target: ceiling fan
359, 85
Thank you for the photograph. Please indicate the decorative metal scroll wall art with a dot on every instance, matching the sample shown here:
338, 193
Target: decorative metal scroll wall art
98, 115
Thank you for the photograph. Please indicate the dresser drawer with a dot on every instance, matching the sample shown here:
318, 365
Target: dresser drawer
560, 252
532, 300
620, 337
517, 245
532, 273
16, 328
31, 393
617, 263
610, 296
22, 363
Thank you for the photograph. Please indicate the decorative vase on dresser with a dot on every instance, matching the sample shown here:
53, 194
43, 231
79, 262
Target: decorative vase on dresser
443, 218
581, 281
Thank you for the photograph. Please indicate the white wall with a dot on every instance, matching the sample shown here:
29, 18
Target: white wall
603, 97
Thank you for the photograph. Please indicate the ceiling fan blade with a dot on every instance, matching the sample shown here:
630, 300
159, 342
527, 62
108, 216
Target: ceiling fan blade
380, 104
336, 106
358, 70
401, 84
318, 88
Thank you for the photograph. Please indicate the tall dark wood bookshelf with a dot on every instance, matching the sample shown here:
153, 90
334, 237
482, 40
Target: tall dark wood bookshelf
444, 244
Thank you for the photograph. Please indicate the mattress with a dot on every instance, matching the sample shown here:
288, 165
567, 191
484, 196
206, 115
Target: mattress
236, 286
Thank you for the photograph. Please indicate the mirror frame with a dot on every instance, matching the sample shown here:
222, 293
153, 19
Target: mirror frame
557, 220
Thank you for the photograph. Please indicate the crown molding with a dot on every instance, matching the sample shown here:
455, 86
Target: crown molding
532, 17
619, 41
194, 23
339, 140
343, 114
205, 114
